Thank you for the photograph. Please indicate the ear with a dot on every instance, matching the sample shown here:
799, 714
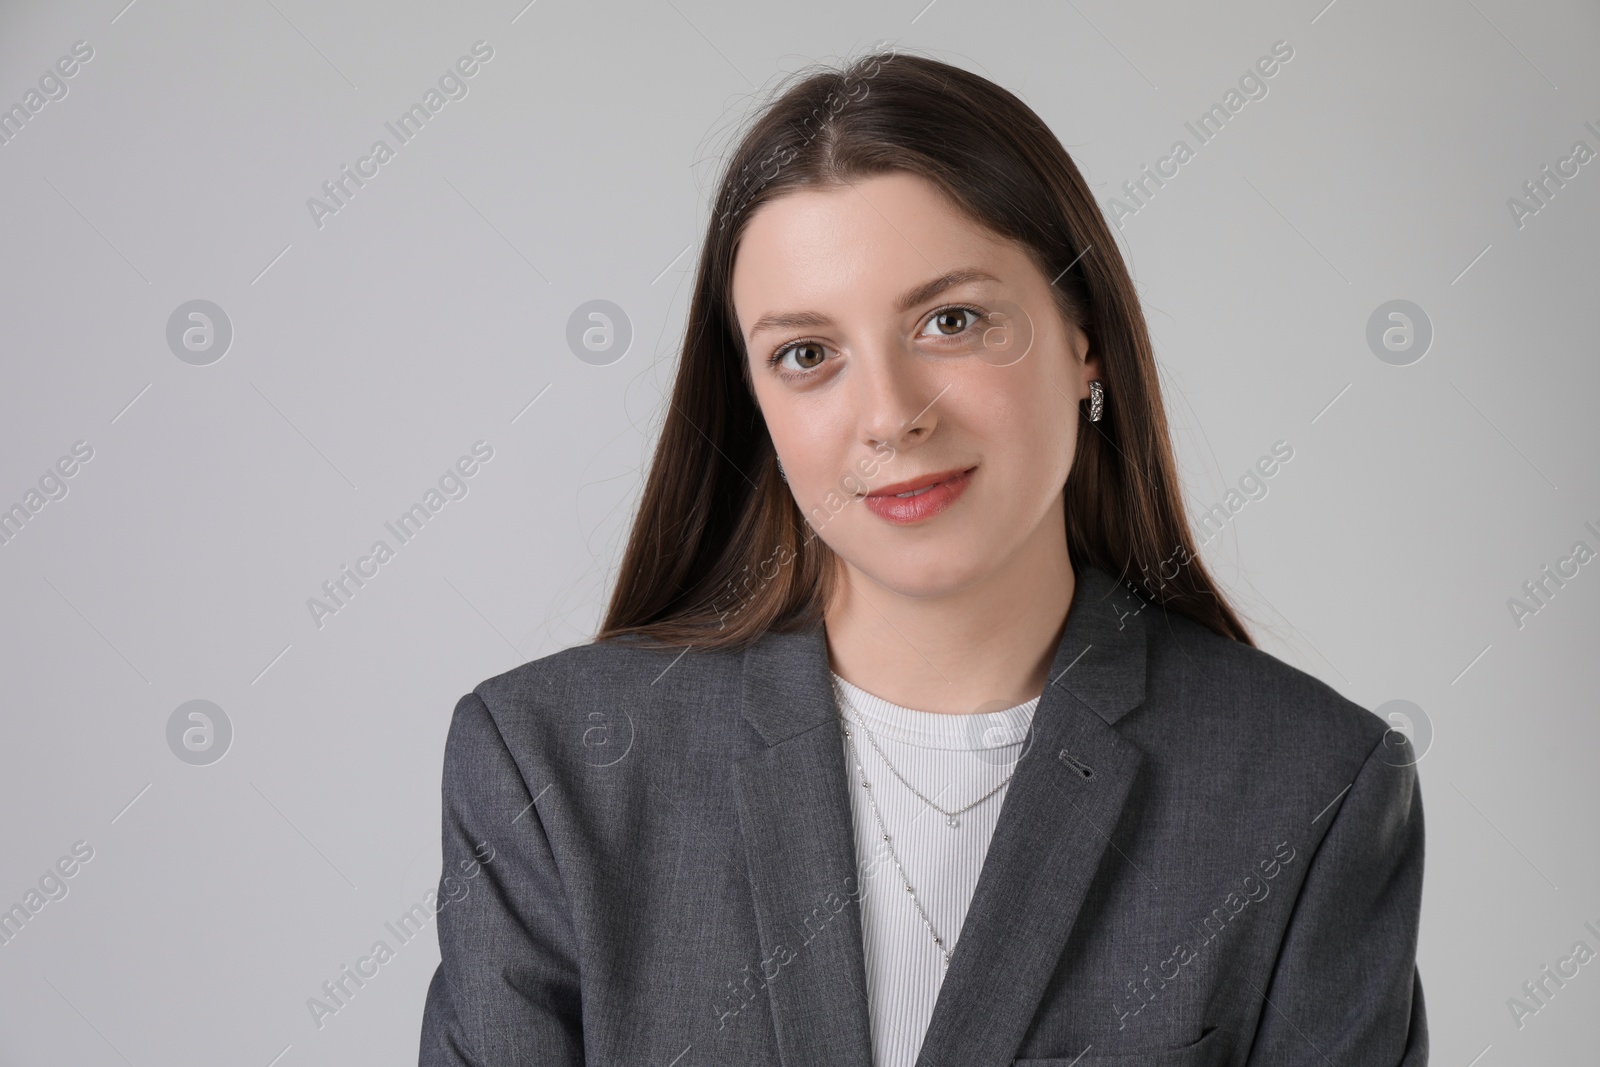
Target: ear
1090, 366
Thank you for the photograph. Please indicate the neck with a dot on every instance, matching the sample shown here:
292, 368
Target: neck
982, 647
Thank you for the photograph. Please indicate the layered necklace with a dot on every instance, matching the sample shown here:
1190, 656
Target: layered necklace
950, 817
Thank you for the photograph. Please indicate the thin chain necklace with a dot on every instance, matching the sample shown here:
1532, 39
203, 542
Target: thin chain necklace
950, 817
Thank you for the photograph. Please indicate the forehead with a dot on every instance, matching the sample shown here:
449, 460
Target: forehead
857, 244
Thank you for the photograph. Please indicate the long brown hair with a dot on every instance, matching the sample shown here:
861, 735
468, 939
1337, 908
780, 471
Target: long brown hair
719, 552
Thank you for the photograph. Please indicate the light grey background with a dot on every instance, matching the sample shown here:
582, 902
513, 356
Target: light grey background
431, 311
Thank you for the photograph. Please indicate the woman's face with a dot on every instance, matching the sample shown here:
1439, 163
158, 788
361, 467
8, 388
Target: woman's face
893, 340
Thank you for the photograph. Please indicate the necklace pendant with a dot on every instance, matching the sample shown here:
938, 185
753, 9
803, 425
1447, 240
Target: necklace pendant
950, 820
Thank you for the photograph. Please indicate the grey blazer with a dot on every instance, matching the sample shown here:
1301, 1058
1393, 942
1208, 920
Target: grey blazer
1205, 857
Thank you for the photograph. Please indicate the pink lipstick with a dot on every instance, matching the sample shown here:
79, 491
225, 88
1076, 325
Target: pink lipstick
917, 499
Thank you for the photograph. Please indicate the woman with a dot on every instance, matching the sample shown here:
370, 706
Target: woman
916, 731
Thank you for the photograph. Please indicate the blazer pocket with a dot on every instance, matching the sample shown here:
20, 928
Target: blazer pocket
1210, 1051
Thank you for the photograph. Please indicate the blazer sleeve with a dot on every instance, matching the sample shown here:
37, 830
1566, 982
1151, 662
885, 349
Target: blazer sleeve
1345, 987
506, 989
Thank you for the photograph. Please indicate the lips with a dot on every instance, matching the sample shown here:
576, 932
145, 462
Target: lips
918, 499
915, 484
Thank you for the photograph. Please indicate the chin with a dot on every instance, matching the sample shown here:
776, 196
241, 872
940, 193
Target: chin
930, 571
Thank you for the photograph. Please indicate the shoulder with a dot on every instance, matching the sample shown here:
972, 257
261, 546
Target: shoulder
617, 672
1239, 704
1240, 746
591, 673
570, 704
595, 735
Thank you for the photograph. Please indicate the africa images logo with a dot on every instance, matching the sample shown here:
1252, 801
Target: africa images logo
452, 86
1252, 85
452, 485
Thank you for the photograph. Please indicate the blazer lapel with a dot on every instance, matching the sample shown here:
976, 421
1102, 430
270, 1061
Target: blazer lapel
1065, 797
1064, 800
794, 813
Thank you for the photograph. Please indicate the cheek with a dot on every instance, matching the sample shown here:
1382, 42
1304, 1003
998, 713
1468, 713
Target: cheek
812, 437
783, 416
1020, 416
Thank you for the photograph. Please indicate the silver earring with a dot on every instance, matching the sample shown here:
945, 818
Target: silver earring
781, 472
1097, 401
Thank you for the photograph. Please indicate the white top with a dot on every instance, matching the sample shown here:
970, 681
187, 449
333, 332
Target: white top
952, 760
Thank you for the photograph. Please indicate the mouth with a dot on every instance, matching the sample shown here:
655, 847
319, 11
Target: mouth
916, 486
919, 499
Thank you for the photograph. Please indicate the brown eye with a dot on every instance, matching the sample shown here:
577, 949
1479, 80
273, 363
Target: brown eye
952, 321
807, 355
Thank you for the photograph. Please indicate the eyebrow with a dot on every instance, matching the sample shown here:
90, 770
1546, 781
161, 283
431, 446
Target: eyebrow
909, 299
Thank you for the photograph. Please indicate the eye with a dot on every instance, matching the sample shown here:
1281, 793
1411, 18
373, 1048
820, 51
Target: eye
953, 321
808, 355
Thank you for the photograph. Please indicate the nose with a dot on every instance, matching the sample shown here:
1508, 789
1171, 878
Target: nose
896, 398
